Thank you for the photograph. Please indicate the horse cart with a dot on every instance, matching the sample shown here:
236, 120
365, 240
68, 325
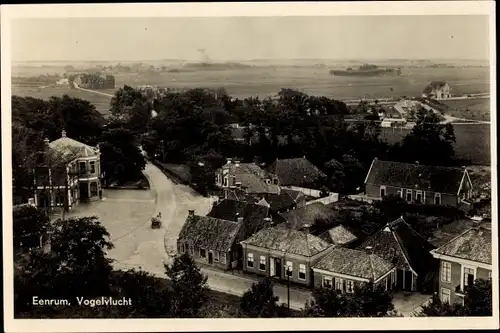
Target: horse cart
156, 221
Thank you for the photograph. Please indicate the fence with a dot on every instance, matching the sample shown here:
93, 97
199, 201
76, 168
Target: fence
332, 197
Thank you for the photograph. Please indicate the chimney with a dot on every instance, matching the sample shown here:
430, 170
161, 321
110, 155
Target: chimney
63, 133
240, 219
191, 212
306, 228
268, 222
369, 249
228, 161
237, 162
46, 141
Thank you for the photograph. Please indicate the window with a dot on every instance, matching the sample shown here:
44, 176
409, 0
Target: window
275, 180
445, 295
225, 181
83, 167
262, 263
445, 271
418, 197
302, 272
339, 284
382, 191
216, 256
327, 281
468, 276
59, 197
192, 250
186, 248
489, 275
223, 257
203, 253
349, 286
250, 260
93, 189
409, 196
437, 198
400, 193
92, 166
268, 181
182, 248
289, 268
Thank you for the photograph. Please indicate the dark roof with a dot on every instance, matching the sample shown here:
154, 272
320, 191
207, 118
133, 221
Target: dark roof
291, 241
400, 244
279, 202
295, 172
338, 235
416, 176
355, 263
251, 176
307, 215
209, 233
474, 244
253, 215
447, 232
434, 85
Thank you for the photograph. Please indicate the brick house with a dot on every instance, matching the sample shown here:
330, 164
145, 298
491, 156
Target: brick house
248, 177
400, 244
298, 174
418, 183
437, 90
463, 260
284, 254
344, 269
210, 240
74, 174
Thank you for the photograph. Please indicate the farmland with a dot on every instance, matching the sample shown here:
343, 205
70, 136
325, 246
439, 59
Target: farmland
476, 109
101, 102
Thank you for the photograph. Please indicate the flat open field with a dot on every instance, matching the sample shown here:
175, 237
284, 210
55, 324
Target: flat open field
476, 109
101, 102
472, 141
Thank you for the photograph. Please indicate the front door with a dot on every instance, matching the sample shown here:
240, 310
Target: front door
408, 280
272, 267
84, 191
277, 265
210, 258
399, 279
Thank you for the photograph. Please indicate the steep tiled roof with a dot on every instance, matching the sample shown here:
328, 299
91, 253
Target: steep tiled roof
307, 214
279, 202
434, 85
209, 233
400, 244
251, 176
338, 235
291, 241
474, 244
295, 171
253, 215
355, 263
430, 178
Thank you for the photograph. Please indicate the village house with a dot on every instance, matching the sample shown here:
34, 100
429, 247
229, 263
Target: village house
417, 183
298, 174
399, 244
344, 269
210, 240
74, 174
248, 177
462, 261
437, 90
284, 254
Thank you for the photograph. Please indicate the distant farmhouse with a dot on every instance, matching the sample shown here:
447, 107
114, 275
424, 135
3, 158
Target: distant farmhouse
418, 183
437, 90
94, 81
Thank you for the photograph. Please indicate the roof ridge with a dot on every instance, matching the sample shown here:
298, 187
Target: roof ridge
455, 238
422, 165
405, 255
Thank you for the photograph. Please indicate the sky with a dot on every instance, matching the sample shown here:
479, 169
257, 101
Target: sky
249, 38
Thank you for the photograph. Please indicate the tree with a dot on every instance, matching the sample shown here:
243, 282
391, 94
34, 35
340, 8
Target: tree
392, 206
477, 302
122, 160
429, 142
29, 226
259, 301
189, 286
132, 107
367, 300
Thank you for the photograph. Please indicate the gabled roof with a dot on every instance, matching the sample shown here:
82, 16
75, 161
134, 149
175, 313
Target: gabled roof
307, 215
355, 263
253, 214
294, 194
279, 202
72, 148
434, 85
338, 235
291, 241
295, 171
415, 176
209, 233
400, 244
474, 244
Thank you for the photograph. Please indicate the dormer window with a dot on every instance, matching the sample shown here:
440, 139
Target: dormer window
268, 181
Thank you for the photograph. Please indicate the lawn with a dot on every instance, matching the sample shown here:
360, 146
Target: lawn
101, 102
476, 109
